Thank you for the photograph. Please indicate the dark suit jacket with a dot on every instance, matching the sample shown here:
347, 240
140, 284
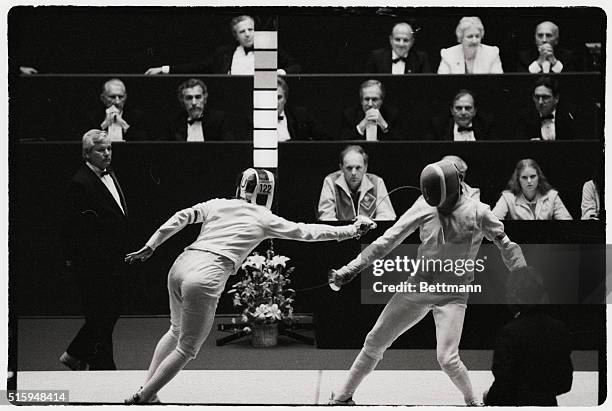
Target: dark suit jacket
221, 63
441, 127
216, 127
531, 361
353, 115
139, 129
94, 230
380, 62
303, 126
529, 125
567, 57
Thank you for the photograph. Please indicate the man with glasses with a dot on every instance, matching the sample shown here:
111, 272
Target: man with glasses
547, 119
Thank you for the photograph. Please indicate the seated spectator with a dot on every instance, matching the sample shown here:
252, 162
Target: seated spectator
546, 119
531, 360
351, 191
372, 120
237, 58
462, 167
401, 57
547, 56
470, 56
121, 123
464, 122
196, 122
529, 196
592, 196
295, 122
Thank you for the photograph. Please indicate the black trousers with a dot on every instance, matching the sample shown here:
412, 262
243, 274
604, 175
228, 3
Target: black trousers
101, 299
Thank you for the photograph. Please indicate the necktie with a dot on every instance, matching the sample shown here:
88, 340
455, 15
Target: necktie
396, 60
193, 120
248, 49
547, 117
461, 128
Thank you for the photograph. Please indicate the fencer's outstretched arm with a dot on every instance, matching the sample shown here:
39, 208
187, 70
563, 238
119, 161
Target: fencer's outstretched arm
511, 252
384, 244
278, 227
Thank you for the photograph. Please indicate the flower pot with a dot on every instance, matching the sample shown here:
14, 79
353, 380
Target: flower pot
264, 335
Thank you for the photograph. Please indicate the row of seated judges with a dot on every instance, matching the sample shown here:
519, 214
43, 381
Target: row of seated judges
546, 116
528, 195
400, 55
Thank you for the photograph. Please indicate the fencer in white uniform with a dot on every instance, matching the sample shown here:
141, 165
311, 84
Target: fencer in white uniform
452, 225
231, 229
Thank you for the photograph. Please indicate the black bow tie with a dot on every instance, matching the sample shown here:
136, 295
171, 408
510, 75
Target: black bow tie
398, 59
105, 172
248, 49
193, 120
547, 117
280, 118
461, 128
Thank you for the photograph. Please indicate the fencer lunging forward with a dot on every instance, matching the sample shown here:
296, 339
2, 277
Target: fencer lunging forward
231, 229
452, 225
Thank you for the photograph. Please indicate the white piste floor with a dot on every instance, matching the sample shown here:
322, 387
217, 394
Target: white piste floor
281, 387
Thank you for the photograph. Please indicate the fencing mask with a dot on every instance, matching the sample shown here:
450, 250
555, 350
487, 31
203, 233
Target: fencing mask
256, 186
441, 185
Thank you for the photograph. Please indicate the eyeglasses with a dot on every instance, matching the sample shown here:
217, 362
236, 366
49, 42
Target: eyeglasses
544, 98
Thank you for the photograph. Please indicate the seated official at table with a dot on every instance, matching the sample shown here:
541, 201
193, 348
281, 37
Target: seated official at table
295, 122
470, 56
464, 123
372, 120
196, 122
351, 191
237, 58
400, 57
529, 196
547, 119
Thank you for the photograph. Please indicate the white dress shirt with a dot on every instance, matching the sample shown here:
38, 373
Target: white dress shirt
548, 128
107, 180
242, 63
463, 135
399, 67
282, 129
195, 131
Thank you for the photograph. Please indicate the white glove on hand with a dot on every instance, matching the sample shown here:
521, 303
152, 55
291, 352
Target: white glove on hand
337, 278
363, 225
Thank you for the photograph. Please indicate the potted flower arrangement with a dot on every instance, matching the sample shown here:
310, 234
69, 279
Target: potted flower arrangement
264, 296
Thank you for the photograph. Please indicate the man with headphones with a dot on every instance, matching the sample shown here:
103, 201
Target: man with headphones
451, 223
231, 229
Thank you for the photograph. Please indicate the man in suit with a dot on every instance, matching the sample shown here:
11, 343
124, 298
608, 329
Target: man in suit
94, 237
196, 122
531, 360
372, 121
547, 56
400, 57
236, 59
464, 122
120, 122
295, 122
547, 119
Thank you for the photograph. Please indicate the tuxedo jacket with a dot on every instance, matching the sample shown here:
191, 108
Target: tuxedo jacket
139, 130
353, 115
487, 60
217, 126
94, 229
221, 62
442, 127
529, 124
531, 361
526, 57
303, 126
379, 61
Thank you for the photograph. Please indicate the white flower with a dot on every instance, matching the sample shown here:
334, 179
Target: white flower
261, 312
254, 261
274, 312
278, 260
